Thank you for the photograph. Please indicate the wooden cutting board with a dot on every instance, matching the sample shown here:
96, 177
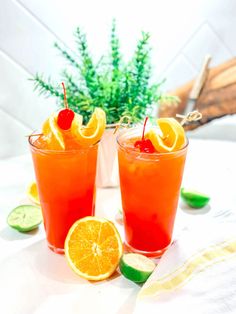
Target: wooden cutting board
218, 97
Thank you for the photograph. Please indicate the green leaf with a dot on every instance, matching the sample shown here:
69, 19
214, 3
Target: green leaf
119, 88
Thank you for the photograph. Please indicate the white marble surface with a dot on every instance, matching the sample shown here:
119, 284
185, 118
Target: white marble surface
35, 280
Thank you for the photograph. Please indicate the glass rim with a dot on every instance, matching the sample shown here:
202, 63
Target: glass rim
155, 154
57, 151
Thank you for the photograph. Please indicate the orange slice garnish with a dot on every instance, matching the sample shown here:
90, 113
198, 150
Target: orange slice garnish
77, 135
172, 135
93, 131
93, 248
53, 133
32, 193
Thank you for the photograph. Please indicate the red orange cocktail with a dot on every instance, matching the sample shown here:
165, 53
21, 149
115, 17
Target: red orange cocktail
65, 157
150, 183
66, 185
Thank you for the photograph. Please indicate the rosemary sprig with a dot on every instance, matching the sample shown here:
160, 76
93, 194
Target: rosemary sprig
121, 89
67, 56
46, 88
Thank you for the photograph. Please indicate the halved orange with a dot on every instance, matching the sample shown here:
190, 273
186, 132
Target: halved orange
32, 193
93, 131
172, 135
93, 248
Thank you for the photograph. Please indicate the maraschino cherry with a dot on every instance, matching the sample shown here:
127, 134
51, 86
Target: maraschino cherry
65, 116
144, 145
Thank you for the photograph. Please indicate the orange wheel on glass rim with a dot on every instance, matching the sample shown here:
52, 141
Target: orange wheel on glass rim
53, 133
172, 135
82, 135
93, 248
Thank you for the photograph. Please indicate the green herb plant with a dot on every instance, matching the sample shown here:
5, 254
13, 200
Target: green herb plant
119, 88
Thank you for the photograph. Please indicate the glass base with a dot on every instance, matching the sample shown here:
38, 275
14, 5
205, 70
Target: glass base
153, 254
55, 249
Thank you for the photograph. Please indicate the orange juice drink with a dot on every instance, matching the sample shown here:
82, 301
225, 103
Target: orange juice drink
66, 185
64, 157
150, 183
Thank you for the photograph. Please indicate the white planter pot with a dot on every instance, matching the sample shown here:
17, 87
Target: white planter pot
107, 167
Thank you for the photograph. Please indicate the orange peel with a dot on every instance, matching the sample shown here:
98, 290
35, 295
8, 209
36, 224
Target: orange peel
172, 135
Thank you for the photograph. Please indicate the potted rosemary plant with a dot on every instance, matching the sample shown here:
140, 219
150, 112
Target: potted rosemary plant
119, 88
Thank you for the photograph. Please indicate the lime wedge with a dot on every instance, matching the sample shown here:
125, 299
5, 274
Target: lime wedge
136, 267
25, 218
194, 199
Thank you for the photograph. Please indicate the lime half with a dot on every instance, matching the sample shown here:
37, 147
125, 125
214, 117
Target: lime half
194, 199
25, 218
136, 267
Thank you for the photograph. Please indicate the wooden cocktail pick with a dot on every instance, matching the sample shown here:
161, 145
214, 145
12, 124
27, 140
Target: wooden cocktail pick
118, 125
190, 117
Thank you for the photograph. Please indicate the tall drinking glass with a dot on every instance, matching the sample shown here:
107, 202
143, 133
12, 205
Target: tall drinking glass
150, 186
66, 186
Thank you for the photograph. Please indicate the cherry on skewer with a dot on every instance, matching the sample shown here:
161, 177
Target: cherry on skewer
65, 116
144, 145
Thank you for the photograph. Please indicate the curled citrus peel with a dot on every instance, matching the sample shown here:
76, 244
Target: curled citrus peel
64, 130
77, 134
93, 131
172, 135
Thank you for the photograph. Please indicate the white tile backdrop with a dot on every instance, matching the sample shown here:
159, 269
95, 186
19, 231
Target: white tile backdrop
182, 33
